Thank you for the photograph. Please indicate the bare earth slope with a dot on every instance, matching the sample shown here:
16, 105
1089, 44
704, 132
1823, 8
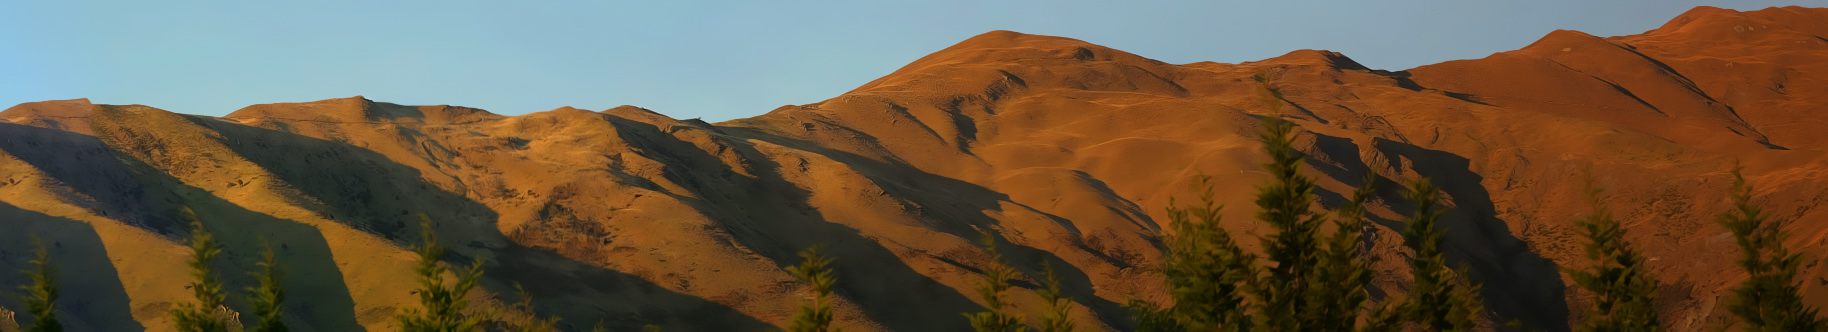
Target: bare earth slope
1070, 150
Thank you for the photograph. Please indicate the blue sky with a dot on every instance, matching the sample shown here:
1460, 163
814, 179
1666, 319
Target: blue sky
715, 60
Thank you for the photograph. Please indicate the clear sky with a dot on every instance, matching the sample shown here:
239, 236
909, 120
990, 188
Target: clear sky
716, 60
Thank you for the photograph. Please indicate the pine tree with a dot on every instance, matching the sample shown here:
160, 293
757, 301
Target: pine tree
1206, 273
1310, 282
1285, 204
1624, 294
1057, 318
205, 286
815, 270
1344, 270
1386, 317
41, 295
443, 305
991, 289
1768, 300
1151, 317
267, 297
1439, 300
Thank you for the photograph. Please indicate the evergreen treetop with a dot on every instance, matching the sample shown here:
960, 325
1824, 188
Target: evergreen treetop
1439, 300
1207, 273
1285, 203
815, 270
1624, 293
267, 296
1768, 300
1057, 317
991, 289
41, 295
206, 287
443, 306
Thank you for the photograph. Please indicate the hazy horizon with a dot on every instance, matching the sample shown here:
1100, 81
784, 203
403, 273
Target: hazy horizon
687, 59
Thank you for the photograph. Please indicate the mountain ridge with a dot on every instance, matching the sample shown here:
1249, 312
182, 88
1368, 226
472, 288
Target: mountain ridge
1069, 150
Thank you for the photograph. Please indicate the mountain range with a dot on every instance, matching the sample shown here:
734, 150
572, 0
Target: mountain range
1070, 151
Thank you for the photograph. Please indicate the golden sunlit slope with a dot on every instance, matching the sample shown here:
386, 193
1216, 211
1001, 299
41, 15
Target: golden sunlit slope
1069, 150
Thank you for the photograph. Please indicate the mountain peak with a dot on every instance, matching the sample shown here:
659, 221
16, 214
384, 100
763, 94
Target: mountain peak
1701, 17
360, 109
1314, 57
1004, 45
68, 115
1726, 33
1707, 21
1003, 55
1564, 41
67, 108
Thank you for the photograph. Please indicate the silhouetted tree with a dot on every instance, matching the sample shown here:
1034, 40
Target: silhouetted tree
442, 305
1624, 293
41, 296
1768, 300
267, 297
207, 314
815, 270
991, 289
1439, 301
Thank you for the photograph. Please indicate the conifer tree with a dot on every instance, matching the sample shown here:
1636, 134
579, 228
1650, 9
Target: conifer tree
1386, 317
1310, 282
1151, 317
1344, 270
41, 295
814, 270
1439, 301
442, 305
266, 298
1057, 318
1768, 300
1206, 272
1624, 294
1285, 204
991, 289
205, 285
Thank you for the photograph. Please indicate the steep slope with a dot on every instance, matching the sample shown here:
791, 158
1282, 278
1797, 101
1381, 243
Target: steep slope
1070, 151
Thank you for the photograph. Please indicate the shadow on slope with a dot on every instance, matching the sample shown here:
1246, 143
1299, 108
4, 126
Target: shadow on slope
371, 192
1519, 284
118, 184
89, 167
93, 298
775, 218
951, 206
